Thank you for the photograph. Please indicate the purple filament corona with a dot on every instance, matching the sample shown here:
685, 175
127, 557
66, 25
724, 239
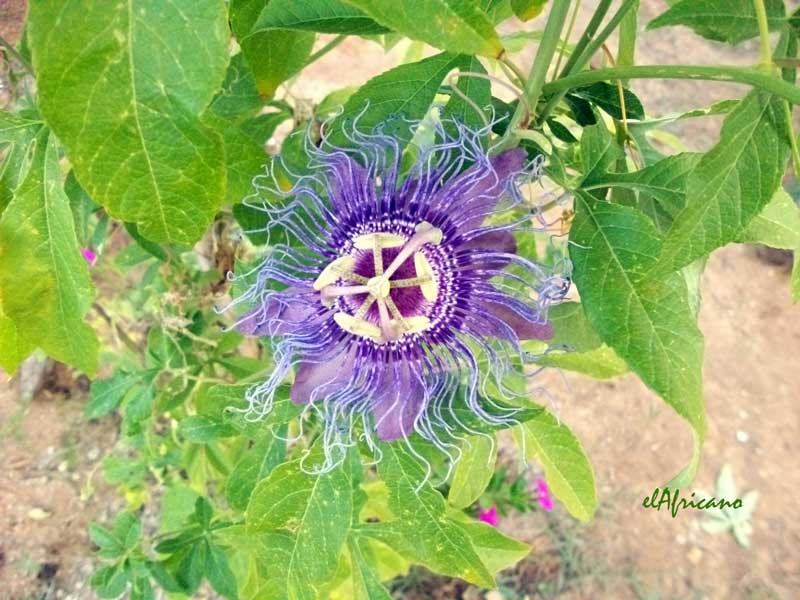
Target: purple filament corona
396, 293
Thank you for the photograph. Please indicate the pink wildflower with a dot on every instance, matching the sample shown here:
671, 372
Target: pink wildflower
89, 255
489, 516
545, 501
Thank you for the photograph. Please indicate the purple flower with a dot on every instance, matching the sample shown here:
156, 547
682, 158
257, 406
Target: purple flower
489, 516
89, 255
390, 287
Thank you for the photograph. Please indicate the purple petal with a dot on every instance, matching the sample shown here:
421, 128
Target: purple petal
316, 380
494, 241
280, 313
525, 329
398, 401
475, 193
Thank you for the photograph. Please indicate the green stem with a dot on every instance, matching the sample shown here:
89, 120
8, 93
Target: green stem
751, 77
590, 48
787, 109
326, 48
588, 34
9, 48
544, 57
567, 35
763, 34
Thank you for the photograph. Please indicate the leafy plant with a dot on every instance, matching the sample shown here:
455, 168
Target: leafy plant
135, 182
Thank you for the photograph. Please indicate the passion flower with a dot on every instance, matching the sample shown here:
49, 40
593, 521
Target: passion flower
394, 295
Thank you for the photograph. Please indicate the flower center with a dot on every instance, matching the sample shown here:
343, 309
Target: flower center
385, 301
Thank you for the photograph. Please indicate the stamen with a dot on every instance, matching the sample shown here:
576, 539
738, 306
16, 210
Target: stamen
425, 234
357, 327
339, 268
384, 240
412, 282
429, 287
388, 327
364, 308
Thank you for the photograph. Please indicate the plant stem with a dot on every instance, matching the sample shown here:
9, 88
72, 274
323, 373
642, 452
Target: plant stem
763, 34
751, 77
579, 60
588, 34
544, 56
567, 35
9, 48
787, 109
325, 49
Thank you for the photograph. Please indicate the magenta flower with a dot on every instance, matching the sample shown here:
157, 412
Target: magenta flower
489, 516
388, 287
545, 501
89, 255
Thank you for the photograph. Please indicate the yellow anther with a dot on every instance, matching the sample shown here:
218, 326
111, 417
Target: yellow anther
433, 234
368, 241
334, 271
428, 285
416, 324
379, 287
357, 327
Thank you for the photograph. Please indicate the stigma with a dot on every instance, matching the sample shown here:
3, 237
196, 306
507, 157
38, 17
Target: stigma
378, 301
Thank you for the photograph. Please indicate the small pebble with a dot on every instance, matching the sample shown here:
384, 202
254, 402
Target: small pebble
742, 436
38, 514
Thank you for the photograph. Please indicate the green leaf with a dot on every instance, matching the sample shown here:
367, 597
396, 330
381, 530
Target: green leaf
256, 463
45, 288
647, 321
525, 10
778, 225
119, 470
239, 98
273, 55
496, 550
192, 567
732, 183
366, 585
473, 471
284, 579
324, 16
606, 97
20, 134
107, 394
660, 187
453, 25
429, 537
406, 91
599, 363
13, 348
598, 151
219, 574
110, 582
795, 283
200, 429
109, 544
122, 85
318, 507
730, 21
567, 469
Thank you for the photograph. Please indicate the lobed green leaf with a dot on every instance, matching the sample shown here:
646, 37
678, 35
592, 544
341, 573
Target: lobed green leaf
122, 85
732, 183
